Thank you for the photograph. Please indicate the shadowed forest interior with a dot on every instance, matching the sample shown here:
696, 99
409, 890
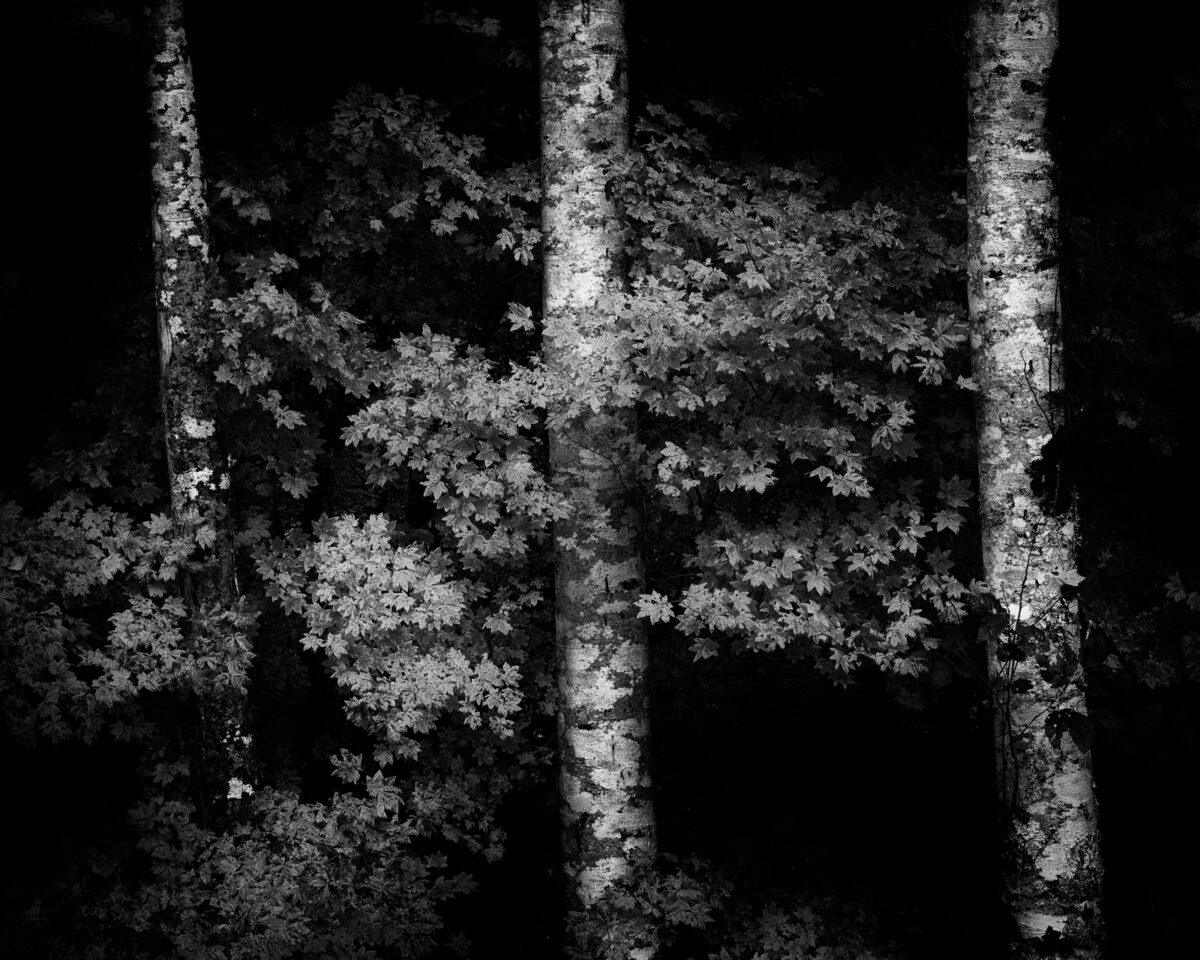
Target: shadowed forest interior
390, 366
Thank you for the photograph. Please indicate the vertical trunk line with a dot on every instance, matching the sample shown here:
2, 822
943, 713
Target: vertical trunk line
604, 782
197, 474
1043, 761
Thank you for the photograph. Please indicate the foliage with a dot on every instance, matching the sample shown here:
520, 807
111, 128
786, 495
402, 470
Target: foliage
98, 642
785, 354
785, 349
384, 617
695, 911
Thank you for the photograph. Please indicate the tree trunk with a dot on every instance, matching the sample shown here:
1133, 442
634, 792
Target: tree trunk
196, 471
608, 816
1042, 733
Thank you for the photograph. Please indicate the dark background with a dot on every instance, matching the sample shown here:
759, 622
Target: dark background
776, 777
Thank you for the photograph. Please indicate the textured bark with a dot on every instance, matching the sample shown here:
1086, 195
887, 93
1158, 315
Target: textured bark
196, 471
1044, 772
183, 286
608, 816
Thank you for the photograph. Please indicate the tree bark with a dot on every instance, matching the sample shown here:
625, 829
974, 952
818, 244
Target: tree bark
1043, 758
196, 471
606, 805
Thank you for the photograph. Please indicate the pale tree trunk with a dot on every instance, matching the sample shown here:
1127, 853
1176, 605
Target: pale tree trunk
608, 816
1042, 742
196, 471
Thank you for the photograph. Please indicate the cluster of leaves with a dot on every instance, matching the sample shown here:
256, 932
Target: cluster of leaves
98, 640
344, 877
378, 211
76, 566
389, 622
775, 345
785, 349
695, 911
384, 202
781, 352
466, 433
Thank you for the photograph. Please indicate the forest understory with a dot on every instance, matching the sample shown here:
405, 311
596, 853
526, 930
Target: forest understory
576, 478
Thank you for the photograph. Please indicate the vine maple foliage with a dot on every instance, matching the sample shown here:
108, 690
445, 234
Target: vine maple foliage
786, 356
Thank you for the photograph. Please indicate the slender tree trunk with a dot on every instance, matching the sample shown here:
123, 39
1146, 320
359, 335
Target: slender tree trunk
196, 471
608, 816
1042, 740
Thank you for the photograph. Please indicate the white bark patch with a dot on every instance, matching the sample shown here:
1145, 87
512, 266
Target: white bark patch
595, 879
1074, 787
1034, 925
183, 294
1019, 612
613, 756
604, 777
194, 481
1054, 877
198, 429
597, 674
1057, 857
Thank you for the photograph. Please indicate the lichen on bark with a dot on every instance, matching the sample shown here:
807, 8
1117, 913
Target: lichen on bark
1053, 864
183, 284
196, 470
608, 816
